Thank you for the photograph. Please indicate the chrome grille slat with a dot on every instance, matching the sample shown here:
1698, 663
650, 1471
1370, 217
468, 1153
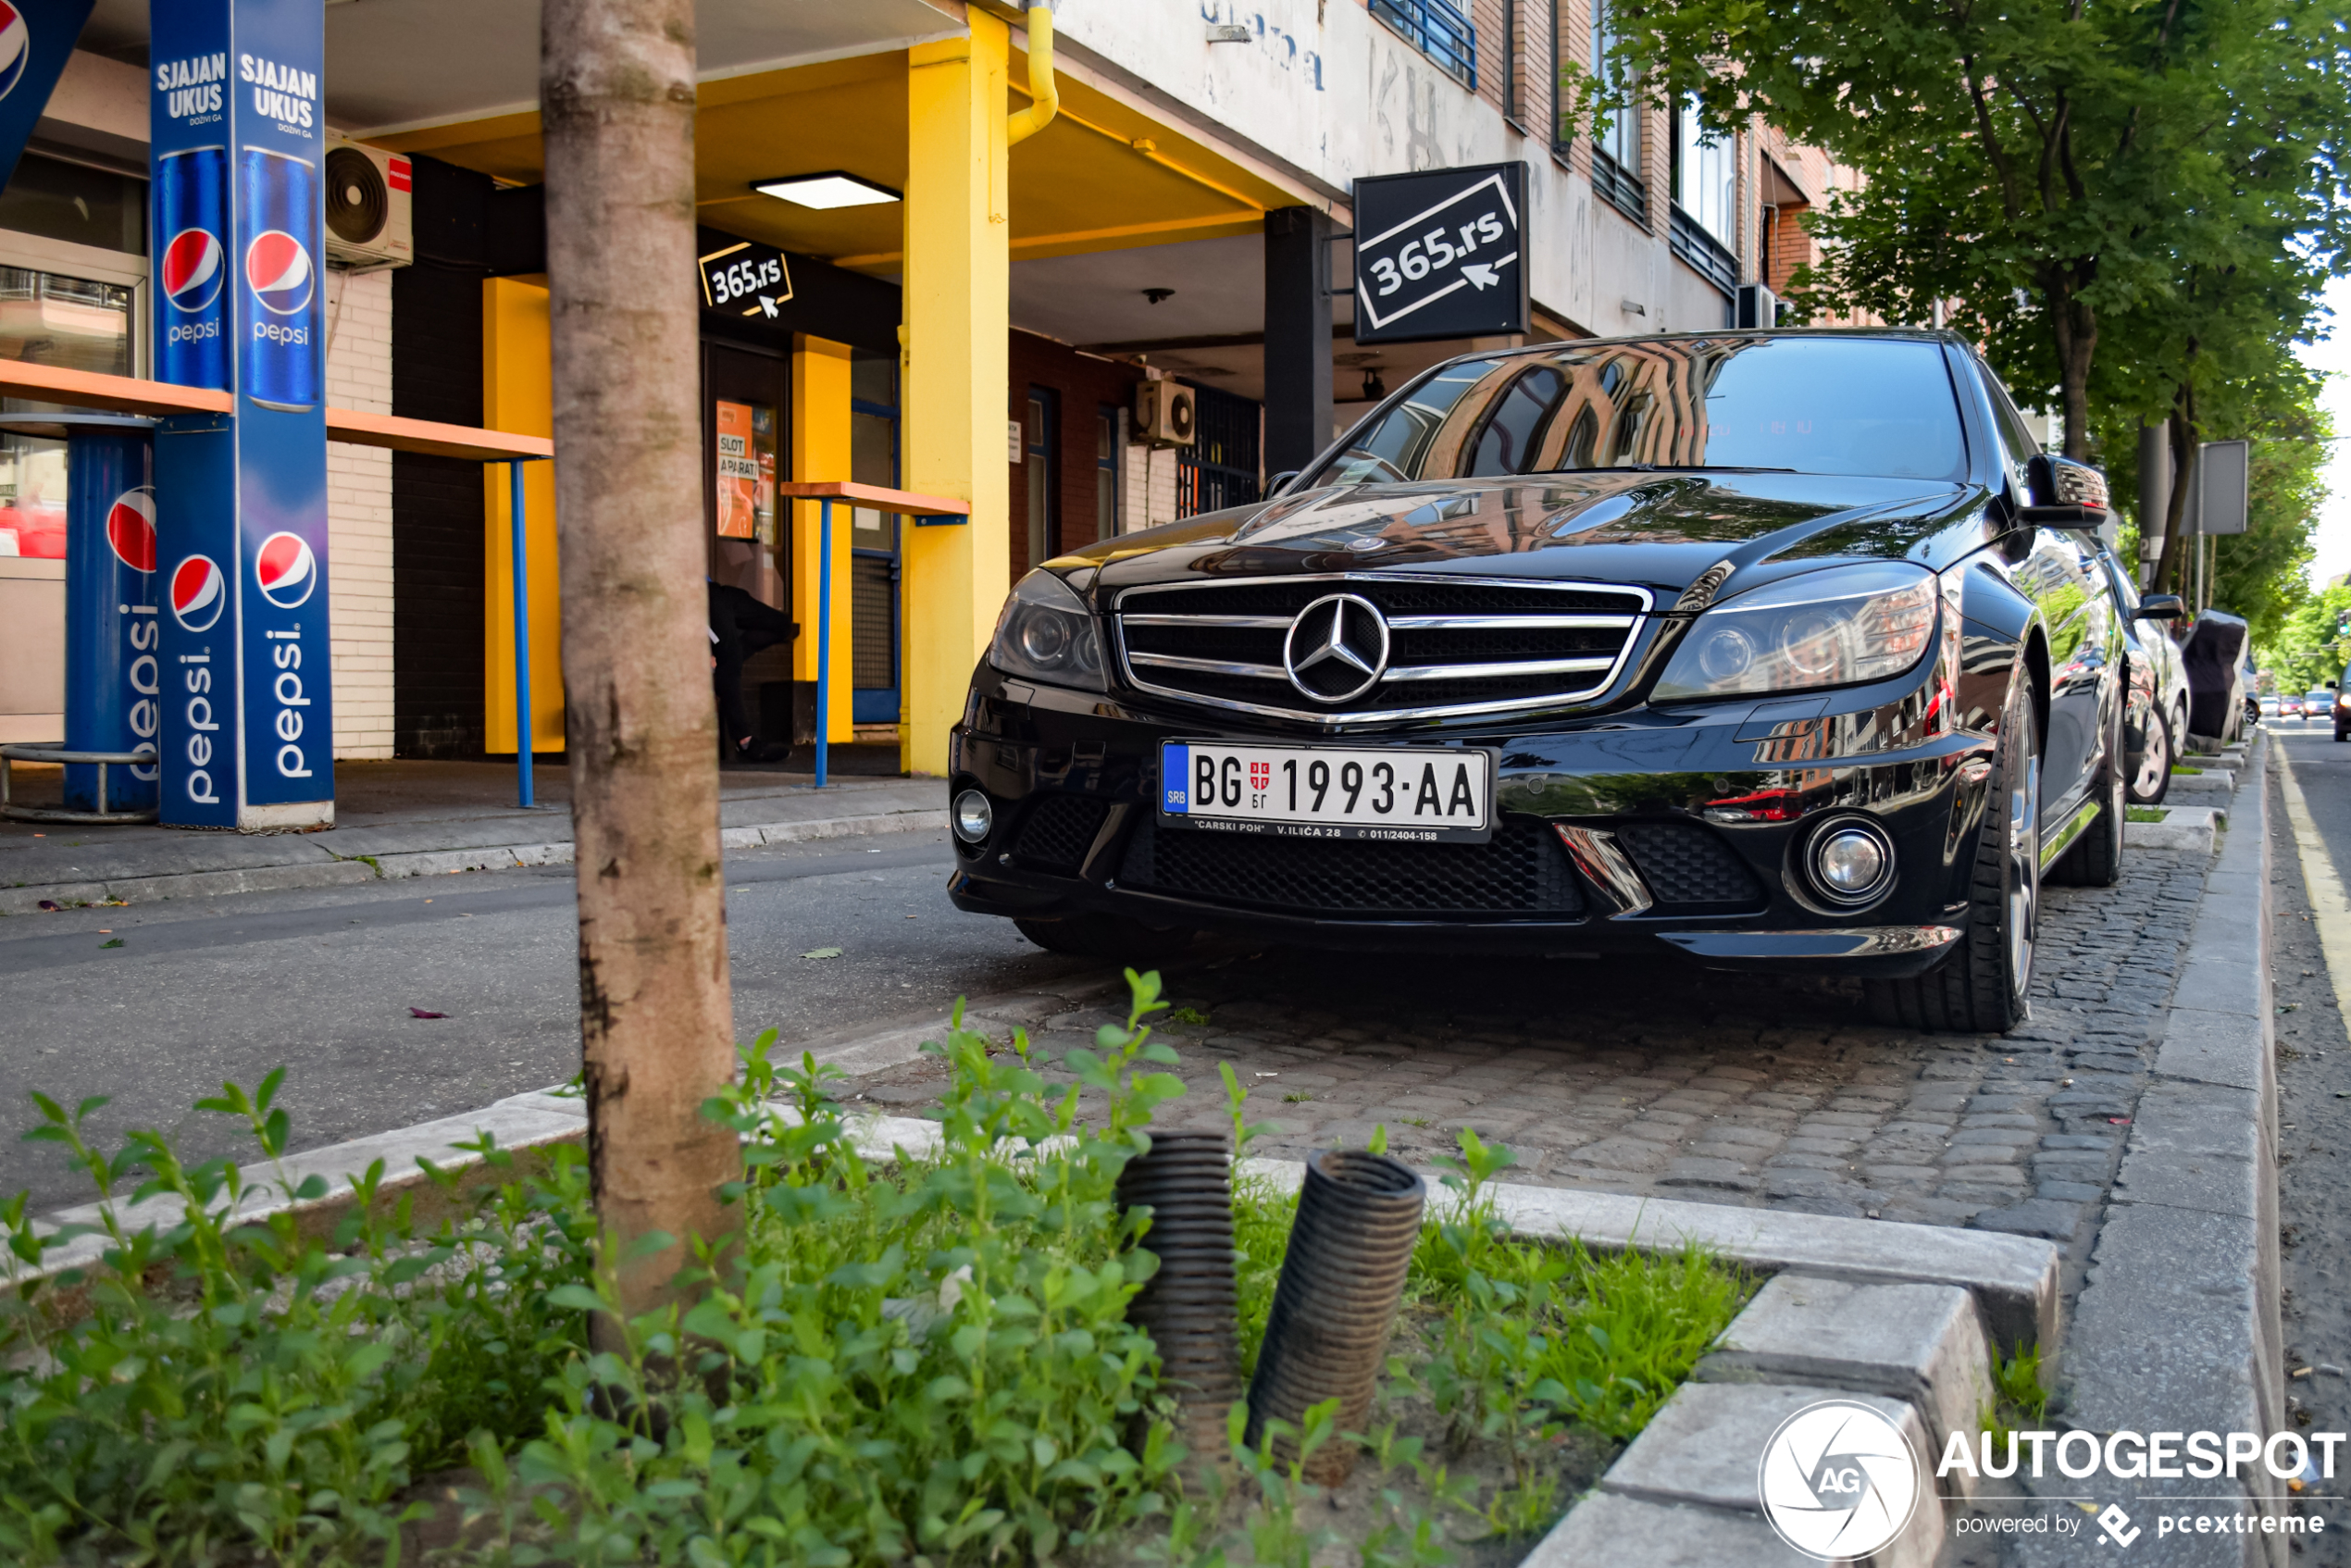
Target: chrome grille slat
1571, 629
1210, 666
1456, 623
1491, 672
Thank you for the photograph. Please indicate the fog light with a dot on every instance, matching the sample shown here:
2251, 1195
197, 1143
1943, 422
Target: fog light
974, 816
1852, 862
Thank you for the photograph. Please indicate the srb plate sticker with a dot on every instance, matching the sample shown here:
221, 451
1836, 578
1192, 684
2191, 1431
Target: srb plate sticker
1404, 794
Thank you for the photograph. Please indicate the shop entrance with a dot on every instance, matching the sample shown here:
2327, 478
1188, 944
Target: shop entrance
746, 396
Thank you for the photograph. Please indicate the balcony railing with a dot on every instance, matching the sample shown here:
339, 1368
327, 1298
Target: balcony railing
1619, 189
1437, 30
1708, 256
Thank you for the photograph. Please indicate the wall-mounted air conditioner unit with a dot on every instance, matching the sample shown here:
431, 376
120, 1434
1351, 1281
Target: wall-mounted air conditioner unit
368, 207
1163, 414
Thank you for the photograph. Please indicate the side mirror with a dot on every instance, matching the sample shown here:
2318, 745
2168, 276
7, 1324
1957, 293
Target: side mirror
1279, 482
2062, 493
2163, 607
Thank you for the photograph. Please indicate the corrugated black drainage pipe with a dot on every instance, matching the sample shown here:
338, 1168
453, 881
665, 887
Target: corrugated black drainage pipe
1189, 1308
1359, 1218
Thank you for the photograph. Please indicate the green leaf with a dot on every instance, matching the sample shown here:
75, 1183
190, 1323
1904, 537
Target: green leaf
574, 1298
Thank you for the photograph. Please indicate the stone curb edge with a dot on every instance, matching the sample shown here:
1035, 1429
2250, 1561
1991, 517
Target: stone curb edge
2178, 1327
330, 873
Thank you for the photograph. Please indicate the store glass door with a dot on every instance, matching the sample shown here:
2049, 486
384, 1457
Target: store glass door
745, 395
873, 540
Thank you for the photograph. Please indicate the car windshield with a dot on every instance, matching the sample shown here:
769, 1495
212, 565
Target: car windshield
1797, 404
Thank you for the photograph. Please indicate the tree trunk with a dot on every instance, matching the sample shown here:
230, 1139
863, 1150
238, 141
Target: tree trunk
2181, 427
616, 93
2076, 327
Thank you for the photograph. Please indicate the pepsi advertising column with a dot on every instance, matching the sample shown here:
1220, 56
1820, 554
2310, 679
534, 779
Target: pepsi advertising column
241, 498
113, 673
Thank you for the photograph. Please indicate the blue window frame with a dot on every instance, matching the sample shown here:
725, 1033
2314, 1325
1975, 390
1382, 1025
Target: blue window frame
1439, 31
874, 574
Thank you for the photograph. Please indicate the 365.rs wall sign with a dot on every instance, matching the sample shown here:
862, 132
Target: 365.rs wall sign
1440, 254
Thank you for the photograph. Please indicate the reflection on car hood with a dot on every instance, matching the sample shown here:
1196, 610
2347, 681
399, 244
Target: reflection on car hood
1660, 530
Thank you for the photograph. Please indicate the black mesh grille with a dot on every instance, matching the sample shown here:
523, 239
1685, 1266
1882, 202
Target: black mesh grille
1059, 832
1686, 864
1521, 873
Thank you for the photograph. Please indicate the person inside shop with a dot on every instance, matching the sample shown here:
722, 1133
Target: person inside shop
739, 626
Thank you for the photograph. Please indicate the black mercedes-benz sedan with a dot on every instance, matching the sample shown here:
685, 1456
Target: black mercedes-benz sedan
1786, 650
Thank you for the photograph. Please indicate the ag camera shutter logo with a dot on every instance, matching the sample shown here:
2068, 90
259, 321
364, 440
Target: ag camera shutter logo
1838, 1480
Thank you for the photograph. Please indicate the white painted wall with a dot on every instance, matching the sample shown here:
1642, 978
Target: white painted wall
1327, 92
359, 516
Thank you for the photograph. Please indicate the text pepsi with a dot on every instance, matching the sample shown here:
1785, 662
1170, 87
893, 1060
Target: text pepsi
279, 220
193, 266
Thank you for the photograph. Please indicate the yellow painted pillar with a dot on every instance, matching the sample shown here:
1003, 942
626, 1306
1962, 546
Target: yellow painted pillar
517, 394
957, 365
820, 450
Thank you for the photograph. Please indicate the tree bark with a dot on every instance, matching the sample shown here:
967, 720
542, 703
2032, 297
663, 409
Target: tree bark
2076, 327
2181, 429
616, 93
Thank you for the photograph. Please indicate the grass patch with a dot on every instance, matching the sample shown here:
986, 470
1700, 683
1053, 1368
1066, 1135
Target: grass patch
2144, 814
2181, 770
914, 1360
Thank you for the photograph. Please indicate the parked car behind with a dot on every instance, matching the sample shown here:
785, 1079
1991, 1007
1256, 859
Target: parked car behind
1780, 649
2155, 723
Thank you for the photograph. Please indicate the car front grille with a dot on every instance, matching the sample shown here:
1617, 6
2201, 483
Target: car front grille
1058, 832
1689, 867
1456, 645
1521, 873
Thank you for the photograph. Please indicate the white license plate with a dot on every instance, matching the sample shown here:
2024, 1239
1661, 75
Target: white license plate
1412, 794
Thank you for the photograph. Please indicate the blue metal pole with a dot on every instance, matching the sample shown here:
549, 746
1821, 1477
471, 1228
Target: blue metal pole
522, 638
824, 633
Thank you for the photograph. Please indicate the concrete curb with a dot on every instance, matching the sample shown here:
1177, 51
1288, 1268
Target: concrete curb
2178, 1327
2194, 828
331, 871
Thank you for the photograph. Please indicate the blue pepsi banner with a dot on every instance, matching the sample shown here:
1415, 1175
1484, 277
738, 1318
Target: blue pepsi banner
36, 36
113, 679
238, 134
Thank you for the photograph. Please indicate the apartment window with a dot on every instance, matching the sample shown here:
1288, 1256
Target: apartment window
1106, 444
1439, 29
1616, 155
1705, 223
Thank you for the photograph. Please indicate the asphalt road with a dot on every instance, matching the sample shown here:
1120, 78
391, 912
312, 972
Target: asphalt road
2314, 1104
323, 981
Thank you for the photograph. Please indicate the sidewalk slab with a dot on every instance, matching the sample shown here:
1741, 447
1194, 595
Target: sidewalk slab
2178, 1326
420, 834
2190, 827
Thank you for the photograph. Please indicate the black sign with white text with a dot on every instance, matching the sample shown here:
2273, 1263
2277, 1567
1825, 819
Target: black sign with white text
1440, 255
746, 278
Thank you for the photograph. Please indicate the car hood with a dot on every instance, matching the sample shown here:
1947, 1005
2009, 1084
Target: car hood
1656, 530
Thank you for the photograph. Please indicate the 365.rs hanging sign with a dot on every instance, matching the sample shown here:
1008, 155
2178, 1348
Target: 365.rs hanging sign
1440, 255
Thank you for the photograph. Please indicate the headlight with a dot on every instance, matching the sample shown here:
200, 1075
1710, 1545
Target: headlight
1833, 628
1046, 633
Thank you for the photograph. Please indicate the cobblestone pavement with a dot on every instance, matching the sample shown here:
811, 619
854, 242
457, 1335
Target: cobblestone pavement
1656, 1078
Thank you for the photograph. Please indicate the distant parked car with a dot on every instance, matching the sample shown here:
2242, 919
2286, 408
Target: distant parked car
2268, 708
2289, 707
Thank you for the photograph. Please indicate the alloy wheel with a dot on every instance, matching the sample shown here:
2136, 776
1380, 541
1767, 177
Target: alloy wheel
2025, 872
2154, 763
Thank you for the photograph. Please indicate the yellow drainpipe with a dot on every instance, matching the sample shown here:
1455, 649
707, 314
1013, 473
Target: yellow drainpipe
1045, 97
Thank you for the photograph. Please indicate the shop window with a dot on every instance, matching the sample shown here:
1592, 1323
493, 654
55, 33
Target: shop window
1037, 446
1106, 444
1220, 468
71, 201
52, 318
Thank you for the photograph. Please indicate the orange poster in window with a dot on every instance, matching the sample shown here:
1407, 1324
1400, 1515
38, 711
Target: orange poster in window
738, 477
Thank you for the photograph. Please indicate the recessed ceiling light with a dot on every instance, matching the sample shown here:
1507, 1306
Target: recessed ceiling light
822, 190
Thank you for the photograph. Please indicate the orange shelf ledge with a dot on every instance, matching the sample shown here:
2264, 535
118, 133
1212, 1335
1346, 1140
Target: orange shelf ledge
876, 496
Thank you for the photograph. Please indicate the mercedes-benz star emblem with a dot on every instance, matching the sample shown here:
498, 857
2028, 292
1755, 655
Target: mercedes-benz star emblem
1337, 649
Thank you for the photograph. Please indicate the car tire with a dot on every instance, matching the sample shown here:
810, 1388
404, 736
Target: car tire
1113, 936
2152, 778
2096, 858
1980, 985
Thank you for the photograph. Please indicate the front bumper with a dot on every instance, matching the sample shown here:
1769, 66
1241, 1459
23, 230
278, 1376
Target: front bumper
1701, 817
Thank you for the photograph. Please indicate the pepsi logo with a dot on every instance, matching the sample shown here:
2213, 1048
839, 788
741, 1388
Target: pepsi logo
15, 47
130, 529
199, 593
278, 271
193, 267
286, 569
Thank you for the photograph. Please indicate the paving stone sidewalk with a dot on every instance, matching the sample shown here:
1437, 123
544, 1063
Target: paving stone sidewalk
1655, 1077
